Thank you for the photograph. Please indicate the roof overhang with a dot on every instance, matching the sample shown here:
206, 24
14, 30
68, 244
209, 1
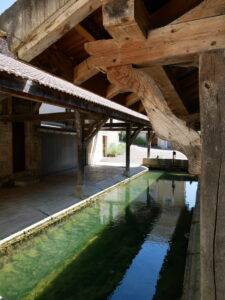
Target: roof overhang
24, 81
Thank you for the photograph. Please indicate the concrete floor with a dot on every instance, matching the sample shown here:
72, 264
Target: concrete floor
23, 206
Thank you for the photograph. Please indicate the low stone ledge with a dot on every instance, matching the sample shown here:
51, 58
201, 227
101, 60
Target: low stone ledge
166, 164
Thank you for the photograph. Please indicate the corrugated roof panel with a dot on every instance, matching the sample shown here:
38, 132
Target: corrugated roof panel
25, 71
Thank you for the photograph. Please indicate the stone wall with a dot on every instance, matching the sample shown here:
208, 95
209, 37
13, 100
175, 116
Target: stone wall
6, 165
32, 142
33, 148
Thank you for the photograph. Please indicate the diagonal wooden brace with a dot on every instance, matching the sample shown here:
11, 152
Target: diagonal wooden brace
165, 124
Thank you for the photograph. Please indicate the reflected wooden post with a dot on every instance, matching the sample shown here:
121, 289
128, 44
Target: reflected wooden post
128, 143
79, 192
148, 139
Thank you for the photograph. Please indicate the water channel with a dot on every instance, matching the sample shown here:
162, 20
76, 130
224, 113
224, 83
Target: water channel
130, 244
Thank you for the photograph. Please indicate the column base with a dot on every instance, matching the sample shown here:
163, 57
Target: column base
79, 192
126, 173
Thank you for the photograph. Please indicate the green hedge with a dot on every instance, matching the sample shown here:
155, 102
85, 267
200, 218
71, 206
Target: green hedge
114, 150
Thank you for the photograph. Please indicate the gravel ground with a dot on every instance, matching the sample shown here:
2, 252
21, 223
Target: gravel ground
138, 153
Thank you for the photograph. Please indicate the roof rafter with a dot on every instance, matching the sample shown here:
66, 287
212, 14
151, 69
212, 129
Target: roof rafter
206, 9
64, 19
183, 42
135, 28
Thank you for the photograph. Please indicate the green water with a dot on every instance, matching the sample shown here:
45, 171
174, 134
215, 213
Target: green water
120, 247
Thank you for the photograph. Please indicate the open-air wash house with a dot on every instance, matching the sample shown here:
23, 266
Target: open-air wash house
155, 65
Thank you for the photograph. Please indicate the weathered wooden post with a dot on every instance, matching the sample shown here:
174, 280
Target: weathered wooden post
79, 192
212, 102
128, 143
149, 137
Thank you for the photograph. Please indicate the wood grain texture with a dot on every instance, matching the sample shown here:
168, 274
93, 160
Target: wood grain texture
113, 90
55, 26
166, 125
171, 44
83, 72
126, 19
167, 88
207, 8
131, 99
212, 101
3, 34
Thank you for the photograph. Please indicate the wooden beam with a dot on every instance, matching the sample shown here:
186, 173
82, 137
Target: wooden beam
141, 108
131, 99
206, 9
93, 130
133, 26
56, 26
62, 116
135, 133
149, 138
190, 118
167, 88
125, 21
83, 72
183, 42
37, 107
114, 23
38, 117
79, 188
113, 90
212, 230
84, 33
165, 124
130, 15
55, 62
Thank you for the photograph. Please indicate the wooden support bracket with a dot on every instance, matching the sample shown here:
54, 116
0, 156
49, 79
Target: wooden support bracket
166, 125
135, 133
94, 129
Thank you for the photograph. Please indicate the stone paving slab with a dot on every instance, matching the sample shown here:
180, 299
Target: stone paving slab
23, 206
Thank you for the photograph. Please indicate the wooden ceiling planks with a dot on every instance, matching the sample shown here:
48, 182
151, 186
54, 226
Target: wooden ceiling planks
70, 47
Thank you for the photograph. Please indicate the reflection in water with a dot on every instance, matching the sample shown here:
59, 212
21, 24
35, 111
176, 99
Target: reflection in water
117, 248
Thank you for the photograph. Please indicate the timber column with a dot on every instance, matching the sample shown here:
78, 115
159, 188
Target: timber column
128, 143
79, 189
149, 137
212, 103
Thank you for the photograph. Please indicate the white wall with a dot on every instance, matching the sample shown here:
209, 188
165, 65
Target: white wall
95, 149
163, 144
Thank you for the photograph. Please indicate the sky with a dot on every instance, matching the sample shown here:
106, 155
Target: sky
4, 4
